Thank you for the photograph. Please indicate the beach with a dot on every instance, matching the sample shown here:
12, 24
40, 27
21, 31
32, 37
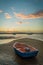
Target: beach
8, 56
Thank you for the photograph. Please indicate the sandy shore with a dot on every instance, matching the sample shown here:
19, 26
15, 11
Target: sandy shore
8, 56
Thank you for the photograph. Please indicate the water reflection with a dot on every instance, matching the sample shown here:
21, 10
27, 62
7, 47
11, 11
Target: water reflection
5, 41
5, 38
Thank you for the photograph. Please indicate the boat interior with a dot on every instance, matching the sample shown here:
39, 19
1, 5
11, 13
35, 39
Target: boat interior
24, 48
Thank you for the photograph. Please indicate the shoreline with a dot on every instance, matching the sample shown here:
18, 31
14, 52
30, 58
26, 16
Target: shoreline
8, 56
7, 40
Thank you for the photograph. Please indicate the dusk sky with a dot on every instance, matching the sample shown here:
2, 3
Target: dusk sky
21, 15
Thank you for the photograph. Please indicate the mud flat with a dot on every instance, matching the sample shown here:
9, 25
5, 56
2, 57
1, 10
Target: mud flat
8, 56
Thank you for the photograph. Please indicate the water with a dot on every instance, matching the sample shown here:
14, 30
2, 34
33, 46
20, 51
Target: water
36, 36
33, 36
19, 36
6, 35
3, 41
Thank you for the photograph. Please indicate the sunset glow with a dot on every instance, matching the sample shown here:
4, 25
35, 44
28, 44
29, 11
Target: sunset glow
21, 16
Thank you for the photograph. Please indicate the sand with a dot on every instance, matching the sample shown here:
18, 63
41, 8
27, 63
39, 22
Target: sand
8, 56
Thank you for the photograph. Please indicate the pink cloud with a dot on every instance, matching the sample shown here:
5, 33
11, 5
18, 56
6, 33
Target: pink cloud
7, 16
30, 16
20, 22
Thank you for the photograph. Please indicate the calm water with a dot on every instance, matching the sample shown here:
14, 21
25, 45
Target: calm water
19, 36
36, 36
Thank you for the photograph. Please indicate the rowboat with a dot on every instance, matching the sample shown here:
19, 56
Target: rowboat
24, 50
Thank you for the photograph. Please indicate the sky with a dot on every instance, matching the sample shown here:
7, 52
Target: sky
21, 15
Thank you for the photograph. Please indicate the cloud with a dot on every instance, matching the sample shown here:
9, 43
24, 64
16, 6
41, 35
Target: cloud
1, 11
20, 22
30, 16
7, 16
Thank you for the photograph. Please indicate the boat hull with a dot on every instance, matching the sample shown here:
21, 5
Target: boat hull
26, 54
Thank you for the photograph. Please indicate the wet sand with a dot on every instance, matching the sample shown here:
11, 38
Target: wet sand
8, 56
